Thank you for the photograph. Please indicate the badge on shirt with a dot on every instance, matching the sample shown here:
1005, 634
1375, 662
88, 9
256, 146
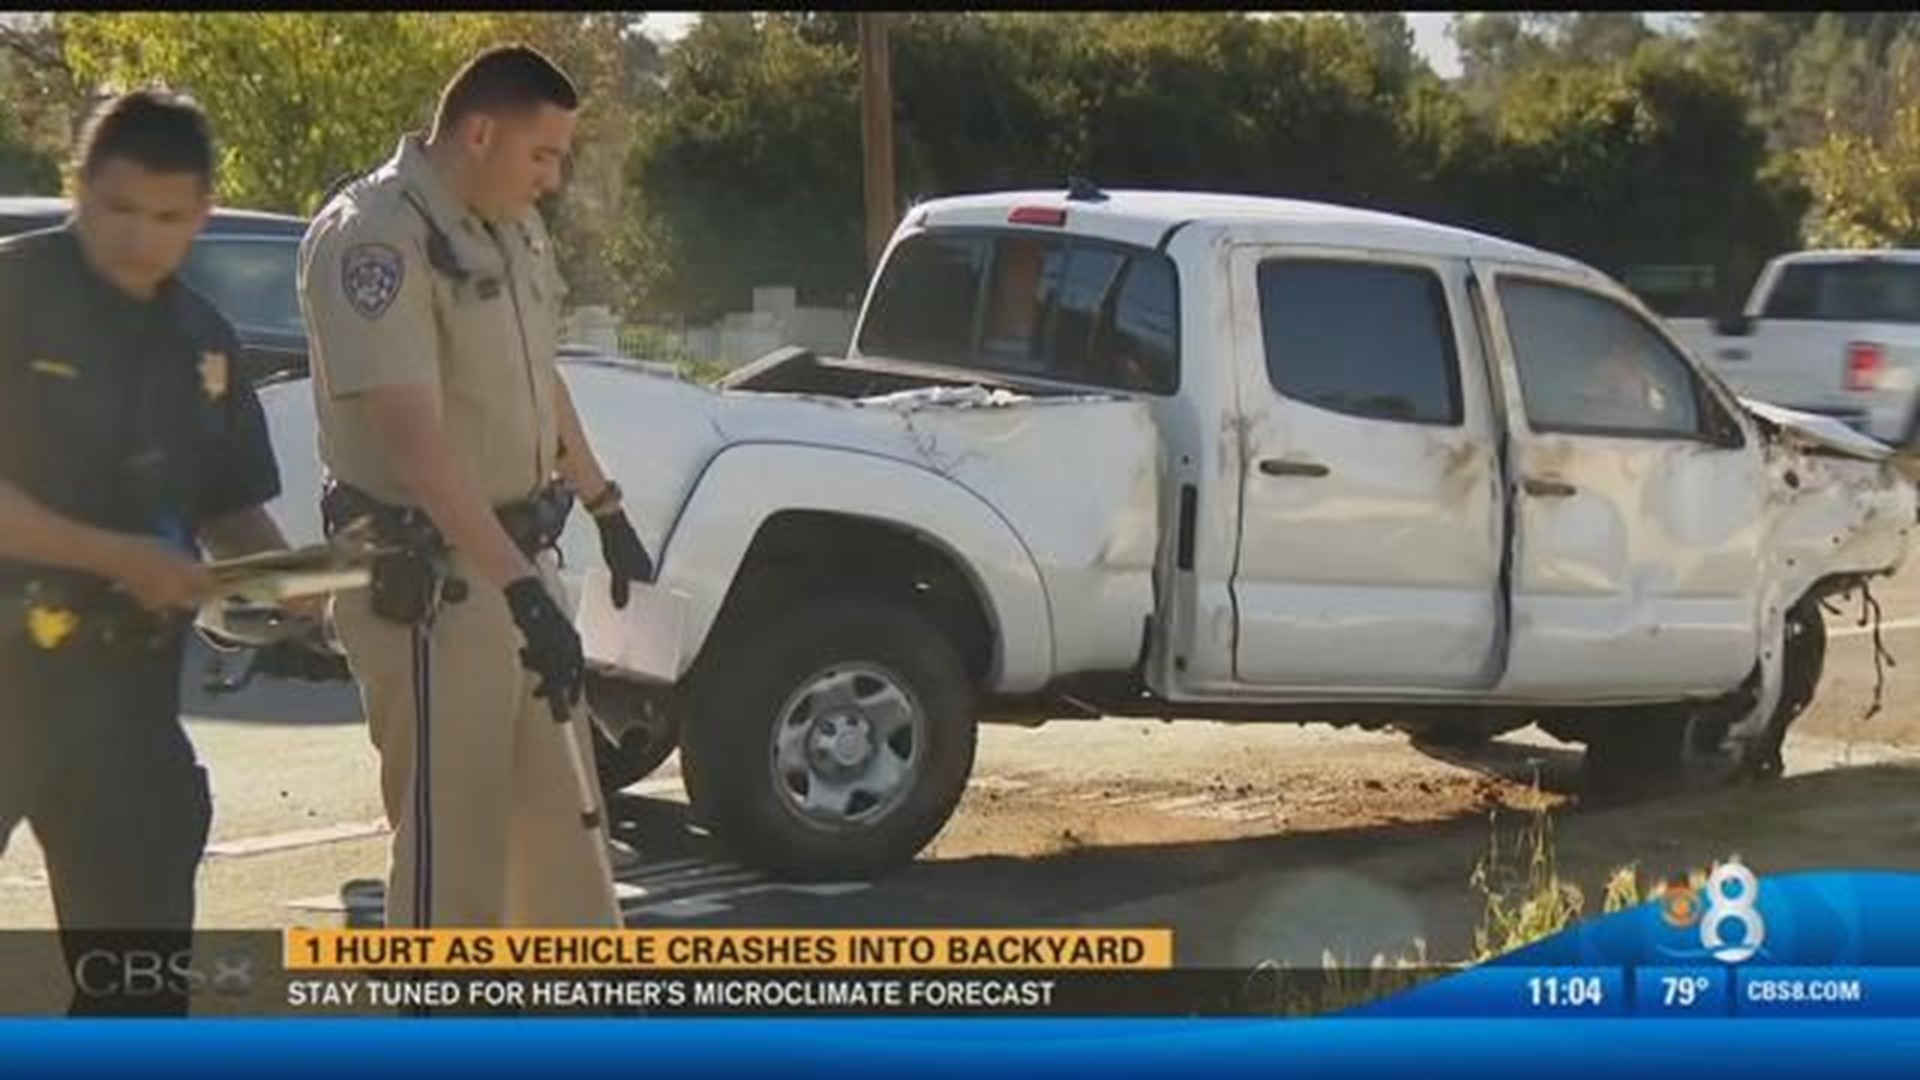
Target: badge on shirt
370, 274
213, 374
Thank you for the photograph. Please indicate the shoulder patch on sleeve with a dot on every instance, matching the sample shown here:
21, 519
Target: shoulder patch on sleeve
370, 275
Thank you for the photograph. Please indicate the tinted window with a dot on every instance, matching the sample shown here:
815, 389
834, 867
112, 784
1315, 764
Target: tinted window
1360, 338
1052, 307
923, 309
1142, 338
1587, 364
250, 281
1846, 292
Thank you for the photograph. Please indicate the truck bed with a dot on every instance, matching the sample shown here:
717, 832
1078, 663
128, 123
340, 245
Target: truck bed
1076, 477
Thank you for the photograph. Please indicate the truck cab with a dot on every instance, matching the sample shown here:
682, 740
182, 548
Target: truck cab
1399, 462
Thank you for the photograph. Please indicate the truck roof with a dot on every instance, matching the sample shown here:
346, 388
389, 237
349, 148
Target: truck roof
1824, 255
1146, 218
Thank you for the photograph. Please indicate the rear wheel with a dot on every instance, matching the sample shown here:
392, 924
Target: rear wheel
832, 741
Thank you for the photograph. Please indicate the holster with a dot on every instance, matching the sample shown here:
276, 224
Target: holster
406, 577
407, 581
81, 616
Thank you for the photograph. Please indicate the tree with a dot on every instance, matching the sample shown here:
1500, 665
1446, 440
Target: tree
748, 171
24, 170
1494, 48
1499, 47
1389, 38
296, 99
1837, 94
1652, 161
299, 99
41, 103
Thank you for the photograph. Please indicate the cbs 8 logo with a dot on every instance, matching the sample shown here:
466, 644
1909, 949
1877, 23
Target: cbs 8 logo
1732, 892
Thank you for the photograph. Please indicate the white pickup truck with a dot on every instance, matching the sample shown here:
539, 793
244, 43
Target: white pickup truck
1197, 456
1830, 332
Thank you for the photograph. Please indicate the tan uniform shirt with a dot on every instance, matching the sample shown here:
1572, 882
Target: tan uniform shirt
481, 327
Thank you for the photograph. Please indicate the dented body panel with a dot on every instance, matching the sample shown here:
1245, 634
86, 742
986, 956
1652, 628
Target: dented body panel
1332, 506
1050, 504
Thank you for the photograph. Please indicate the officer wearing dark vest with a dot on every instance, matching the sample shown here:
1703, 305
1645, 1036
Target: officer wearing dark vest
128, 447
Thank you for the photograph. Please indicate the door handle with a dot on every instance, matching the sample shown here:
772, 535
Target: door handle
1278, 467
1548, 489
1732, 354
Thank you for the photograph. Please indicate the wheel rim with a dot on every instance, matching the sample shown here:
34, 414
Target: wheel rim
848, 747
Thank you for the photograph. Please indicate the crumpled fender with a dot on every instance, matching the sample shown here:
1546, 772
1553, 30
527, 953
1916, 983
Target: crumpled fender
747, 484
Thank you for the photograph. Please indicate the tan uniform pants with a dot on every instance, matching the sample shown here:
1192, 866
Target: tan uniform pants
483, 802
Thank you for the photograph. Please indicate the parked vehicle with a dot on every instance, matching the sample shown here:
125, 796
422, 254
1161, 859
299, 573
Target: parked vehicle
1179, 455
243, 261
1830, 332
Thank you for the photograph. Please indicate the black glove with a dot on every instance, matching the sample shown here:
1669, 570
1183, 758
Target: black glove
627, 558
553, 647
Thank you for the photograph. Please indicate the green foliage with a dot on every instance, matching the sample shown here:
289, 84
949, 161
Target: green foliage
735, 161
1650, 161
746, 172
1867, 191
24, 169
297, 98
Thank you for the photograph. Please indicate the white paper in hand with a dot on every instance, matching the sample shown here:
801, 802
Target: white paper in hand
641, 642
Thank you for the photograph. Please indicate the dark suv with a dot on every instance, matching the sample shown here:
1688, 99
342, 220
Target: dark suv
243, 261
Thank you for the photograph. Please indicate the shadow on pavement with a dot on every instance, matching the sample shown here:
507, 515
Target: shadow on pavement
264, 700
1556, 769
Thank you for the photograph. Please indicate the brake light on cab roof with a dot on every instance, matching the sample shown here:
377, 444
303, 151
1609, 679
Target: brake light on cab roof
1053, 216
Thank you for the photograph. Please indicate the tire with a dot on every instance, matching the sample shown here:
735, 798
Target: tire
649, 731
831, 741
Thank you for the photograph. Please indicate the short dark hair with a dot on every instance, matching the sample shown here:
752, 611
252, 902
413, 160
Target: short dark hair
157, 130
506, 77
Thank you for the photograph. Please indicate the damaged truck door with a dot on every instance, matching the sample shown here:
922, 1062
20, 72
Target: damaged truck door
1367, 438
1640, 502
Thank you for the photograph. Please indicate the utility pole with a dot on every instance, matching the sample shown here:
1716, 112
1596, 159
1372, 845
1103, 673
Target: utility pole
876, 131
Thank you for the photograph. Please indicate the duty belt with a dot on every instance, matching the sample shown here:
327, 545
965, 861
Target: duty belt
534, 524
67, 614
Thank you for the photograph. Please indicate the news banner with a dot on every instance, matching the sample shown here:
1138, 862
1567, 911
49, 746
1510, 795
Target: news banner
1722, 945
1717, 946
866, 972
1731, 970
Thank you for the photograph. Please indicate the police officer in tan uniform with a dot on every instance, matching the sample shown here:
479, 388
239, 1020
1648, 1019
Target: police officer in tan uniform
432, 298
